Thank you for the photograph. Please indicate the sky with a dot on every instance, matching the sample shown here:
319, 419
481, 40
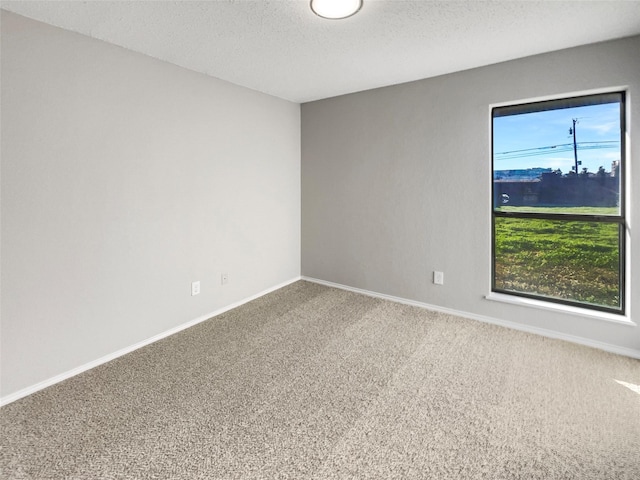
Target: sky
598, 124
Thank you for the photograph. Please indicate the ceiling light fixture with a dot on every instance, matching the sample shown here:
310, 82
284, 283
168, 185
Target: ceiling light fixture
335, 9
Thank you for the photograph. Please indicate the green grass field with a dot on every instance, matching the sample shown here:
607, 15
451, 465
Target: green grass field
576, 261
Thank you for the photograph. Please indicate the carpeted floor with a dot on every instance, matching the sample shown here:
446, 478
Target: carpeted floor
311, 382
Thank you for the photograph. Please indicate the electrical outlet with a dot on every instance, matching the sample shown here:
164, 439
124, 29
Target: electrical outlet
224, 278
195, 288
438, 278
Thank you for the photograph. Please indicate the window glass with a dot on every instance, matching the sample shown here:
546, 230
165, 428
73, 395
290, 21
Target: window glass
577, 261
558, 201
560, 159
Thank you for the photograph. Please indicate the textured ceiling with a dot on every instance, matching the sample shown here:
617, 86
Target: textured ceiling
281, 48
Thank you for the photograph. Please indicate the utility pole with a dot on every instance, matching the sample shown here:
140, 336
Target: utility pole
575, 147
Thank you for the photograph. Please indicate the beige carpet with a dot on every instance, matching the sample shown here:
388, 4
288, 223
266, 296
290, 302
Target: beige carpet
311, 382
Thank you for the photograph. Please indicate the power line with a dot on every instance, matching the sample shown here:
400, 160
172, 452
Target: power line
554, 146
534, 148
560, 148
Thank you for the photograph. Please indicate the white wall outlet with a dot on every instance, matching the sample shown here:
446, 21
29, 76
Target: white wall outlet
438, 278
224, 278
195, 288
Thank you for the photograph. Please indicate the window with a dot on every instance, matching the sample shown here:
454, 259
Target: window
558, 202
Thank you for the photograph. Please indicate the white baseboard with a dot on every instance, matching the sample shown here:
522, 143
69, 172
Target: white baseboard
123, 351
627, 352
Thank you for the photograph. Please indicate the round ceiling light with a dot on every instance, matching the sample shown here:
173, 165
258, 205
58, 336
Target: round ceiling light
335, 9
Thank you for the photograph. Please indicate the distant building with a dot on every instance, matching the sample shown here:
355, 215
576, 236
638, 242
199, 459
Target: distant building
615, 168
525, 174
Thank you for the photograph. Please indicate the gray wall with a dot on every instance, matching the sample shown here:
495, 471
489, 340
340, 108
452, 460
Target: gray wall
396, 183
123, 180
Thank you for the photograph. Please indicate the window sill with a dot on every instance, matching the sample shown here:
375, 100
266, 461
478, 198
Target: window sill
559, 308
